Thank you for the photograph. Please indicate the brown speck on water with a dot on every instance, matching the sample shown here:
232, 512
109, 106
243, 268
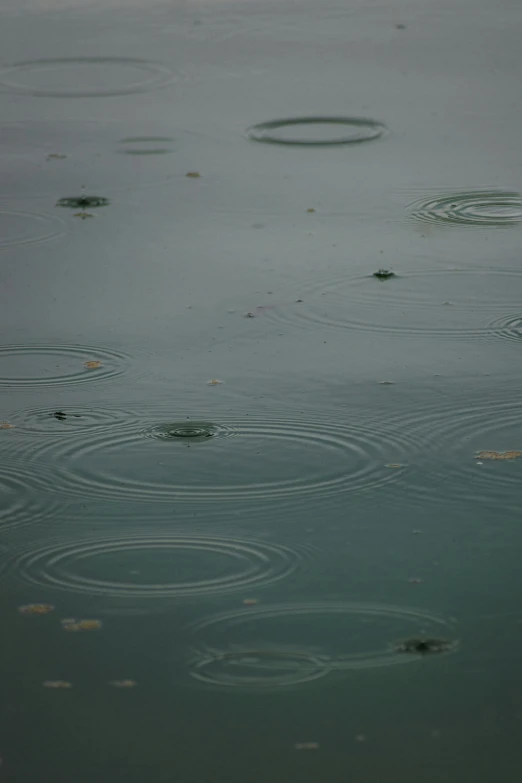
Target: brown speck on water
250, 601
123, 683
56, 684
4, 425
499, 455
83, 215
386, 383
214, 382
36, 608
311, 209
193, 174
92, 365
81, 625
395, 465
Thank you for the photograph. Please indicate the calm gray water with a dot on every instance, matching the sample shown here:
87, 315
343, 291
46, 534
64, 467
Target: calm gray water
260, 508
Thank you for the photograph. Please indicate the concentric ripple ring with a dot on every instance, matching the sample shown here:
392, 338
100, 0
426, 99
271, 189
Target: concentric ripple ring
60, 77
315, 131
155, 566
473, 208
57, 364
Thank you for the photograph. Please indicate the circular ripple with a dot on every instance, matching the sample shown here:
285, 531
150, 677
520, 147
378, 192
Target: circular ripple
85, 76
317, 131
455, 434
430, 303
57, 421
52, 365
277, 645
156, 566
27, 228
24, 496
263, 459
183, 430
147, 145
475, 208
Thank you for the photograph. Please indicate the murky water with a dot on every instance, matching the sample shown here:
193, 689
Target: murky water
260, 426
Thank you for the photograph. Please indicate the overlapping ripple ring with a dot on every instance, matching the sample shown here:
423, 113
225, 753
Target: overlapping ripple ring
427, 303
64, 565
216, 659
455, 433
24, 494
508, 327
352, 130
112, 364
69, 420
19, 227
245, 457
473, 208
18, 77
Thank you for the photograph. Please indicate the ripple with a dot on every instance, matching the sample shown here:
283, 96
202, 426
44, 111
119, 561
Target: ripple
317, 131
18, 227
452, 303
85, 76
156, 566
508, 327
57, 421
473, 208
455, 434
245, 458
52, 365
192, 430
147, 145
24, 496
276, 645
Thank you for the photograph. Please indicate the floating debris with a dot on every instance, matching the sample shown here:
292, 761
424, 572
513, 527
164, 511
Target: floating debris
214, 382
249, 315
424, 645
70, 624
83, 202
60, 415
55, 156
4, 425
383, 274
395, 465
414, 580
193, 174
56, 684
123, 683
36, 609
306, 746
505, 455
83, 215
250, 601
310, 210
92, 365
386, 383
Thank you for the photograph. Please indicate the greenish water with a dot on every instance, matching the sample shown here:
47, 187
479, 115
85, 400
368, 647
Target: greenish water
260, 498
